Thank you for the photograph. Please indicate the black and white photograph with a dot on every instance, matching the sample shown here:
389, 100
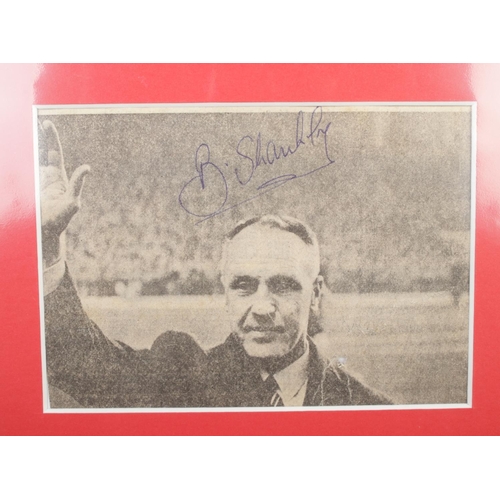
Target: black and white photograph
256, 256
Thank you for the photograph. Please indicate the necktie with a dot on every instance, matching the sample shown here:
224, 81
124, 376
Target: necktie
272, 397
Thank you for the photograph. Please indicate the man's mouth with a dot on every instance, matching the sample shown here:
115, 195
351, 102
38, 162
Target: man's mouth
262, 335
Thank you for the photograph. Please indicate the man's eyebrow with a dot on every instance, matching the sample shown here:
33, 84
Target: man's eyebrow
283, 280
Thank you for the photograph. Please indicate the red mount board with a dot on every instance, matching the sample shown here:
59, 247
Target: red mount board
22, 86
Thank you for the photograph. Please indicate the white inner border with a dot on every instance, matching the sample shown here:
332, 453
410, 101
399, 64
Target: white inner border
48, 110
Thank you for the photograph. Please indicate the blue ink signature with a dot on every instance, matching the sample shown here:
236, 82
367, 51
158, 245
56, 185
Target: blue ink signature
255, 154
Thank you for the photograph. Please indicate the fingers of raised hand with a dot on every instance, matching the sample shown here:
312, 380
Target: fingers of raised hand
60, 200
77, 180
60, 197
49, 147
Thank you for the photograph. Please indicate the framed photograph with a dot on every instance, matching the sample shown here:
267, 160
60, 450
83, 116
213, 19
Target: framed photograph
321, 248
246, 260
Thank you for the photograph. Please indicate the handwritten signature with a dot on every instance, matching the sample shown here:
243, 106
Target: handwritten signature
210, 180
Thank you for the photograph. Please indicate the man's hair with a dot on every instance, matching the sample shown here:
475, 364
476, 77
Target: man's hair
283, 223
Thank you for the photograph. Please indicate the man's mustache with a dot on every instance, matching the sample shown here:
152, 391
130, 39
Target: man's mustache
259, 328
262, 324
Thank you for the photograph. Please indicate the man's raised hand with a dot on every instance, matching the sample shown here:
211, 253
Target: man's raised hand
60, 197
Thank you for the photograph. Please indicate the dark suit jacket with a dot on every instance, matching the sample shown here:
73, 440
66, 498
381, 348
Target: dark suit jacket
175, 372
233, 380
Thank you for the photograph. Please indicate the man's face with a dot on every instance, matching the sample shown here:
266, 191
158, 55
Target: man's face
270, 289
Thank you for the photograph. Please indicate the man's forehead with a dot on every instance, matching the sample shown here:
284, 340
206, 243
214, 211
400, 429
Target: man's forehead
260, 248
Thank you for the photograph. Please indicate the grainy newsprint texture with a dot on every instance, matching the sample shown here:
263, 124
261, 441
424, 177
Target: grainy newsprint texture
250, 256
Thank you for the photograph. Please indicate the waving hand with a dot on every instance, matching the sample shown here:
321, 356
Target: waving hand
60, 197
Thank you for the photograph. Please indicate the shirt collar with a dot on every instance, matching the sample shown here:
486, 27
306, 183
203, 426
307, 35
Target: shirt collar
293, 377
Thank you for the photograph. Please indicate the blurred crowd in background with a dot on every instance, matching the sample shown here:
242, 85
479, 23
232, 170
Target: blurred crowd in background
131, 251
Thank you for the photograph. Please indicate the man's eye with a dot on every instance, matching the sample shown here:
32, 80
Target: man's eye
284, 284
246, 285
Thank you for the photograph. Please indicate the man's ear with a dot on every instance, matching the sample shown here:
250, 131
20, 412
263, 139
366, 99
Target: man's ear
316, 295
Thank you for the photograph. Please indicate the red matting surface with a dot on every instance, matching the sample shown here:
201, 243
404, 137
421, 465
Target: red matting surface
21, 86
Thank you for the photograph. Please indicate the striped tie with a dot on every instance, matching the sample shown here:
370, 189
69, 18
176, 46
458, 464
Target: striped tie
272, 397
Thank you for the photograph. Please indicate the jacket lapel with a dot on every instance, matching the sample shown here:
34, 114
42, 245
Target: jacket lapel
325, 385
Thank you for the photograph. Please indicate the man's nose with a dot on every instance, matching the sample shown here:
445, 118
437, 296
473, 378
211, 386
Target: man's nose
264, 304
